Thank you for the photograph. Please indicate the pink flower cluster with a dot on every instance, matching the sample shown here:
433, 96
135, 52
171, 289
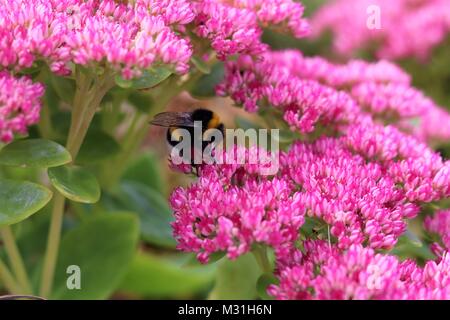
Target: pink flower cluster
32, 30
364, 182
439, 224
234, 26
359, 200
231, 207
285, 15
323, 272
339, 76
129, 37
366, 202
407, 27
419, 171
313, 91
134, 35
19, 105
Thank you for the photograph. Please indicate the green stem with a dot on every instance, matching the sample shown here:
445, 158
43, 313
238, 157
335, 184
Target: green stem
45, 123
260, 253
16, 260
53, 240
87, 100
8, 279
88, 96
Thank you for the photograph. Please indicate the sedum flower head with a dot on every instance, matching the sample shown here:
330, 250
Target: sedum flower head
128, 37
312, 92
439, 224
235, 26
323, 272
360, 202
19, 105
33, 30
401, 23
233, 206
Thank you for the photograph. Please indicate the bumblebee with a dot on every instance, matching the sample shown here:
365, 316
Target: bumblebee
190, 121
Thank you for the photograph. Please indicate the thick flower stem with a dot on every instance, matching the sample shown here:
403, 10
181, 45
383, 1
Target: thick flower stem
86, 102
260, 253
87, 99
8, 280
54, 236
16, 260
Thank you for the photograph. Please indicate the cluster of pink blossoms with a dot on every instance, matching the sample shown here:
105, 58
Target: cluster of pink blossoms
19, 105
233, 206
359, 200
439, 224
134, 35
408, 28
422, 173
323, 272
128, 37
234, 26
313, 91
364, 181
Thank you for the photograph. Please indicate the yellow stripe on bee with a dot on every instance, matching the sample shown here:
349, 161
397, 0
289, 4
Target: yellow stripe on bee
175, 134
214, 122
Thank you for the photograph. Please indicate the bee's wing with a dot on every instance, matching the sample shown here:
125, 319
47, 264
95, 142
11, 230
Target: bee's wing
173, 119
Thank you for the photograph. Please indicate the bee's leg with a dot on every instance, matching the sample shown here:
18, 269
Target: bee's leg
196, 170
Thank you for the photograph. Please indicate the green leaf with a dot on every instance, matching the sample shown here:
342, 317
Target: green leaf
146, 170
75, 183
123, 83
313, 228
64, 87
236, 279
102, 247
152, 77
263, 282
153, 211
201, 65
152, 276
205, 86
20, 199
34, 153
97, 146
408, 247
